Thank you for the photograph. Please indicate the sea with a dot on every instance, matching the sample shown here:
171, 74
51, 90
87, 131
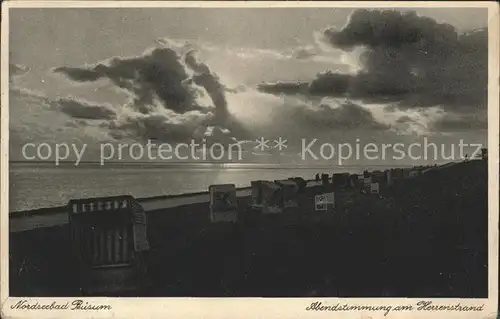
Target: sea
34, 186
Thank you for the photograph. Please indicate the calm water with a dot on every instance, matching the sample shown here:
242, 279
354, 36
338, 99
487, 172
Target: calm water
45, 186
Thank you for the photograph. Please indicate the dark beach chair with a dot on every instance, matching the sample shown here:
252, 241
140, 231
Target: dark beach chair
272, 201
109, 240
301, 184
256, 194
223, 203
289, 192
325, 179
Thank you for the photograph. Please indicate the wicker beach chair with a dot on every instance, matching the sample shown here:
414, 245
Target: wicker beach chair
109, 240
223, 203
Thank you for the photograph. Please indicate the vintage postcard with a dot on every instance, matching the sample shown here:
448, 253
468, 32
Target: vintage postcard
249, 159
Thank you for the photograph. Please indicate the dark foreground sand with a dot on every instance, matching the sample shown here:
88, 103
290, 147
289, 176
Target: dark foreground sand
427, 237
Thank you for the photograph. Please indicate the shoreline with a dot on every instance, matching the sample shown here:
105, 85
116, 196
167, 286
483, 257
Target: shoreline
60, 209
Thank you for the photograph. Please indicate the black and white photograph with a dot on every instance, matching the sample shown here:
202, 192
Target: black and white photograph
245, 151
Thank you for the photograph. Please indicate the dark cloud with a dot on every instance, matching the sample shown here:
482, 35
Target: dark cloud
284, 88
409, 59
329, 84
162, 74
80, 109
160, 126
451, 121
454, 122
404, 119
210, 81
80, 75
337, 116
389, 28
159, 73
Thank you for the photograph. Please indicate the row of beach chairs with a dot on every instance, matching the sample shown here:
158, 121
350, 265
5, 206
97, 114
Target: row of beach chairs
109, 235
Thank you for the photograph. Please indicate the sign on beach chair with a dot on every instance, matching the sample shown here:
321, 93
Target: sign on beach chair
324, 202
223, 203
374, 188
109, 236
289, 192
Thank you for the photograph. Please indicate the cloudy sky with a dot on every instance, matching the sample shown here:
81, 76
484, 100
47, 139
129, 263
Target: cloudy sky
124, 75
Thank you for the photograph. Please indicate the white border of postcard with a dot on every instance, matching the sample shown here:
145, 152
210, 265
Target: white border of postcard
255, 307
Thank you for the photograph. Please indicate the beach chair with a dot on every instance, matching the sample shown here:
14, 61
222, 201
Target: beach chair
301, 184
340, 180
223, 203
325, 179
484, 153
367, 181
272, 194
388, 177
257, 197
109, 241
290, 191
